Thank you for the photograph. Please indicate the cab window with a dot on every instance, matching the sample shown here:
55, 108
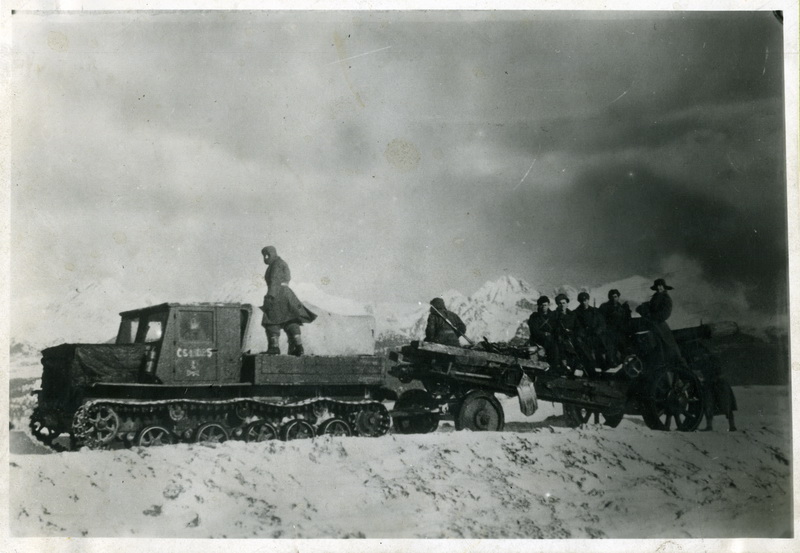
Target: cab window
196, 326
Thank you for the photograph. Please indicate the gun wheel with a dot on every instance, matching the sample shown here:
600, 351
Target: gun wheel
335, 427
297, 429
674, 395
211, 432
480, 411
151, 436
260, 431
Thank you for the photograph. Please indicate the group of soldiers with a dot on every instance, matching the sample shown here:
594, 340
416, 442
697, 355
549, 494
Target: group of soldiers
585, 338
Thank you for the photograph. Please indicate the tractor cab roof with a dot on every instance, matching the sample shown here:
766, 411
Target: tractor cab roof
172, 305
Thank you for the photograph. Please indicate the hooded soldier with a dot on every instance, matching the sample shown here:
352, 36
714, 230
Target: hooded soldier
282, 309
439, 330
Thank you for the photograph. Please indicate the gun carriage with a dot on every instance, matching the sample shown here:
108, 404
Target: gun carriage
460, 383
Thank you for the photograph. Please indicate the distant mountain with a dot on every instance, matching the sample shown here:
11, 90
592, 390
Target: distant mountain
498, 310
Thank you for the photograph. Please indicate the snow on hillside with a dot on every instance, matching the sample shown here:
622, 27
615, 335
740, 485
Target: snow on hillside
537, 480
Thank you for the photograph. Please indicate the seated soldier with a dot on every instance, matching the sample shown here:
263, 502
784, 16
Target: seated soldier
444, 327
589, 333
540, 325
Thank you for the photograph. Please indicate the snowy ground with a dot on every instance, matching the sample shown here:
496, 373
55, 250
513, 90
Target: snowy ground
537, 479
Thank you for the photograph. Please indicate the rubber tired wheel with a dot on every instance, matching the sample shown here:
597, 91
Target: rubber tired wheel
151, 436
415, 424
674, 395
480, 411
260, 431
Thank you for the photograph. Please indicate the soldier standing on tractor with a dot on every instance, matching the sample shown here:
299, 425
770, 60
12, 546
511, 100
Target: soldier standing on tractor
444, 327
282, 309
657, 311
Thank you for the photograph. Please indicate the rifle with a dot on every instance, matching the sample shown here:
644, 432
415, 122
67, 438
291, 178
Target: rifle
458, 332
487, 344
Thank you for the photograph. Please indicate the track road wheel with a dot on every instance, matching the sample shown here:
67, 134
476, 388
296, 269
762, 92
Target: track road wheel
674, 395
211, 433
297, 429
151, 436
260, 431
335, 427
95, 426
415, 424
480, 410
372, 421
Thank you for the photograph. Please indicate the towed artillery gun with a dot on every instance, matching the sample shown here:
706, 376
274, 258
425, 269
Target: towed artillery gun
180, 372
460, 383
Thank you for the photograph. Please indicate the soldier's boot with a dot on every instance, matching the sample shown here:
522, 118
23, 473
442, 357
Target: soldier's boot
295, 345
731, 423
273, 347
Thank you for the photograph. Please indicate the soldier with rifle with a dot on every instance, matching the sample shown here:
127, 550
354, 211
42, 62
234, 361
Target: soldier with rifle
444, 327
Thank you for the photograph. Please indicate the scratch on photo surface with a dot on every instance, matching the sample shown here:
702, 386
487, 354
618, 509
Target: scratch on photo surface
359, 55
766, 57
618, 97
526, 174
728, 155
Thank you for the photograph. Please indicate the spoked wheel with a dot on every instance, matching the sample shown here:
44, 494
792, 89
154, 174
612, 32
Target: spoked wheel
674, 396
480, 411
260, 431
372, 421
335, 427
151, 436
421, 423
211, 433
297, 429
95, 426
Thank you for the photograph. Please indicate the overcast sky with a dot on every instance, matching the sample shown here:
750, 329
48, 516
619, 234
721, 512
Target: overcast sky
392, 156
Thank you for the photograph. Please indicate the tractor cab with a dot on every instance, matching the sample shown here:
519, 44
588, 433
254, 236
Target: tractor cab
188, 343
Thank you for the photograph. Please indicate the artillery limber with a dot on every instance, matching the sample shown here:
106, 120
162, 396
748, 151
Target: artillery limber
461, 383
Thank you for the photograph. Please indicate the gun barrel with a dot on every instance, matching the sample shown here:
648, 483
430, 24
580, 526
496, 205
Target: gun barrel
705, 331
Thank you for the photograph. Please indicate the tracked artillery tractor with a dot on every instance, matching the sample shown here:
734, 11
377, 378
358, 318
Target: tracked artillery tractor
180, 372
460, 383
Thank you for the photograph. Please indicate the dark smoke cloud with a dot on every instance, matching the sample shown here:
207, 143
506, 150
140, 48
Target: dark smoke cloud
615, 221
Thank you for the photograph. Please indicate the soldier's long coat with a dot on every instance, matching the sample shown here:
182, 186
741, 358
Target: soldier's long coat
281, 305
657, 311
